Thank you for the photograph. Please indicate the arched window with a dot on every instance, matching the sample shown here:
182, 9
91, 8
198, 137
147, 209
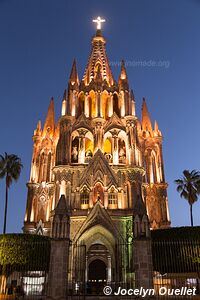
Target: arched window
90, 106
41, 167
49, 167
112, 199
104, 105
84, 197
122, 151
81, 104
75, 150
116, 105
88, 149
154, 167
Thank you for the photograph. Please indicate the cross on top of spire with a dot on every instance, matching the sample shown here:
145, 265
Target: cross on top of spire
99, 20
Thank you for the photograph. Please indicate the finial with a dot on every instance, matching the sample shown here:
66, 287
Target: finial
98, 20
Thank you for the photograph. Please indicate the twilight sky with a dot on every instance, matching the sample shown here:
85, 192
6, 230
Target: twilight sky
160, 43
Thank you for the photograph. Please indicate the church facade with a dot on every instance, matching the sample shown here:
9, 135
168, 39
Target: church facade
102, 167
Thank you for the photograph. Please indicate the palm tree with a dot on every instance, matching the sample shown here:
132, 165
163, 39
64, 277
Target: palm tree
189, 188
10, 168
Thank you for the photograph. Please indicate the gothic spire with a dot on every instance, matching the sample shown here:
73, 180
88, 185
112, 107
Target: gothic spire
123, 79
38, 130
74, 74
98, 76
49, 122
156, 126
64, 103
98, 61
146, 121
123, 74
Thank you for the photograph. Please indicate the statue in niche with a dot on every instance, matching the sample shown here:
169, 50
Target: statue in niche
98, 196
108, 156
122, 153
88, 155
75, 153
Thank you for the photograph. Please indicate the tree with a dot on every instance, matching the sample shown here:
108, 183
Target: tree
10, 168
189, 188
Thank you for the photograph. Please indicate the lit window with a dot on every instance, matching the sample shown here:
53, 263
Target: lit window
112, 198
84, 197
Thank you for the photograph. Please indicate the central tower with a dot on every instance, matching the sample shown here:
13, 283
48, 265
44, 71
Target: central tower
106, 162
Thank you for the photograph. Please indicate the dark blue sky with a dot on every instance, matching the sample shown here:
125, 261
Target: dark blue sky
40, 38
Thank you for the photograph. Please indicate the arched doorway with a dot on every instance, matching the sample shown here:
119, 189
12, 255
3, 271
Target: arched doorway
116, 105
97, 275
97, 271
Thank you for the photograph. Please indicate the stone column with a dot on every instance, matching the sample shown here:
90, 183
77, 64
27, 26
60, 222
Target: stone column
110, 112
142, 257
135, 178
98, 104
86, 108
109, 270
74, 103
57, 192
59, 257
91, 200
106, 199
120, 199
57, 279
115, 150
122, 104
86, 269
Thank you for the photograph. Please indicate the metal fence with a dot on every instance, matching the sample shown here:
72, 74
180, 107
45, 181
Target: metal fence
24, 269
81, 286
176, 271
176, 265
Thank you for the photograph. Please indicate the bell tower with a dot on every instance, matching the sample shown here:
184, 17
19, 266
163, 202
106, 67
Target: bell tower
104, 164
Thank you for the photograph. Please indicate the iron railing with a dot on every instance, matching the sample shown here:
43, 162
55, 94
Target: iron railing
24, 269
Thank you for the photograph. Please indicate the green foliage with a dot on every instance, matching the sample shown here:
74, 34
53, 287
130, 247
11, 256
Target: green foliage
10, 167
189, 188
24, 252
176, 250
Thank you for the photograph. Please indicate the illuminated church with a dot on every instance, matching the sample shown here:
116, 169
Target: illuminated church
97, 173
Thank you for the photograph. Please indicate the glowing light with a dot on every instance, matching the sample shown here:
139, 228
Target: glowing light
62, 188
122, 104
32, 215
98, 20
64, 103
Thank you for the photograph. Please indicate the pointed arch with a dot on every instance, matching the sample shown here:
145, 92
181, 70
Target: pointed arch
104, 105
84, 197
41, 166
74, 146
81, 103
112, 197
116, 108
92, 104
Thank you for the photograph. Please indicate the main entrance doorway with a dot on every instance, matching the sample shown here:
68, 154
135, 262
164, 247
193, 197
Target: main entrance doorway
97, 274
97, 271
97, 268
